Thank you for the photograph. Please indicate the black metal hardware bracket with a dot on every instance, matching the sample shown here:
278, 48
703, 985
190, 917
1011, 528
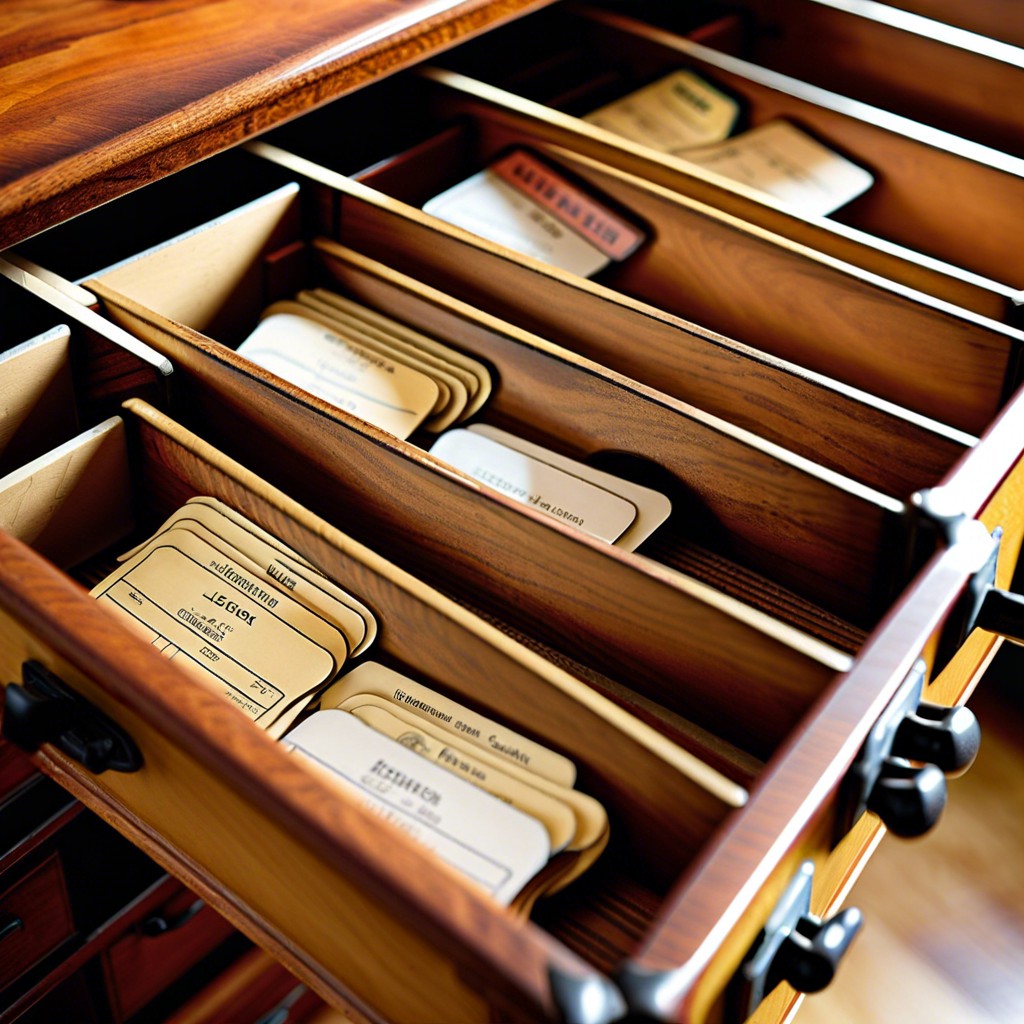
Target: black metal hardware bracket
43, 709
794, 946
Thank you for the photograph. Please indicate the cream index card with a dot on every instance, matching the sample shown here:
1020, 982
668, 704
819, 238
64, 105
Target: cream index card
475, 728
652, 507
525, 205
442, 749
304, 584
252, 646
488, 841
568, 499
674, 114
780, 159
366, 384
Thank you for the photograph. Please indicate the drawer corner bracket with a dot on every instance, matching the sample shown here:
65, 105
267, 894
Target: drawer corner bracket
794, 946
586, 999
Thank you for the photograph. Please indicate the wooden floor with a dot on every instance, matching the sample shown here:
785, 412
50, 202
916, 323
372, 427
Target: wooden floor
943, 938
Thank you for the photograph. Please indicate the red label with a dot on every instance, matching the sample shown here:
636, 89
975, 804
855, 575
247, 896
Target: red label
603, 229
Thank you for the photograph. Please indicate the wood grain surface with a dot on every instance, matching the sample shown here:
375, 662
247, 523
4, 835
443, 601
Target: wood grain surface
709, 268
895, 69
847, 432
933, 192
150, 88
851, 244
1000, 19
608, 608
195, 744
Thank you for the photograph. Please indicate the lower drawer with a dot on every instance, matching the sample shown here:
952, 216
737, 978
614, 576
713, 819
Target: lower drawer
35, 918
159, 949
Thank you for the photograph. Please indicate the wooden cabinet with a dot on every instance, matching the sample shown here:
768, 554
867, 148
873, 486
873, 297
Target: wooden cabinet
832, 403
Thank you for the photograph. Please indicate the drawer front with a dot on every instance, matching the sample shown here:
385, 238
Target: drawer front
35, 918
239, 851
159, 949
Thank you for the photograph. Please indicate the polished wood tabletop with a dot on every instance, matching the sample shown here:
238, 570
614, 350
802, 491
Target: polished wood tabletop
102, 96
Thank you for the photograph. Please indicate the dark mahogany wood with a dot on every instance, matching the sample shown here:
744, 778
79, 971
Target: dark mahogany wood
39, 900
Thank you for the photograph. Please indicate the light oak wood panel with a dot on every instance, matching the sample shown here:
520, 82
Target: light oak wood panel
889, 58
697, 960
256, 71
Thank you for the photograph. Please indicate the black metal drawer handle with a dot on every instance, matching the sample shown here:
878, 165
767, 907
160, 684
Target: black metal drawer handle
793, 946
43, 709
908, 797
9, 924
160, 924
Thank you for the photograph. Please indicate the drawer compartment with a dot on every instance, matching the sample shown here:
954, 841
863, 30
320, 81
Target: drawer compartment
57, 371
508, 562
808, 413
707, 268
887, 57
35, 918
930, 194
311, 841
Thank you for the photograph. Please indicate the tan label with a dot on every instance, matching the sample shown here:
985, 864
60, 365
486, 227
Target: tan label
490, 842
287, 573
674, 114
476, 729
373, 387
779, 159
226, 636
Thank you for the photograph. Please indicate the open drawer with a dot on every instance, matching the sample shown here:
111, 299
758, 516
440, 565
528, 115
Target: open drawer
268, 841
717, 873
264, 840
918, 222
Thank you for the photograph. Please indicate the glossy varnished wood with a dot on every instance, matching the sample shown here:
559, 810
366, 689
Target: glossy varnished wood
894, 262
97, 84
1000, 19
784, 518
607, 608
692, 946
944, 938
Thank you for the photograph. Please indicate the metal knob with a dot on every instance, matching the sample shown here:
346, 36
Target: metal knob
1002, 612
947, 737
908, 799
809, 958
